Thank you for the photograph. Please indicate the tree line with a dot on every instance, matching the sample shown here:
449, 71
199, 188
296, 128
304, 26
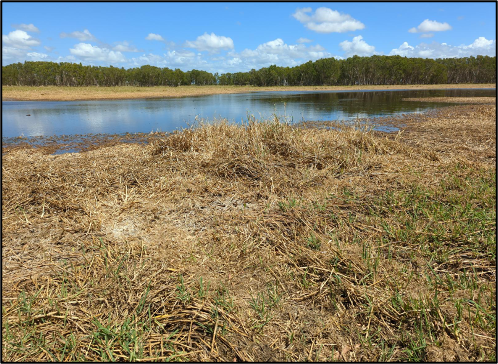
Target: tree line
374, 70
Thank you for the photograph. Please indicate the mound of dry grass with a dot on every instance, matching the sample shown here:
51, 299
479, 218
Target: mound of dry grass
254, 242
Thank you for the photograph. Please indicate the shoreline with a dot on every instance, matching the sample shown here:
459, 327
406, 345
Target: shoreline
55, 93
79, 143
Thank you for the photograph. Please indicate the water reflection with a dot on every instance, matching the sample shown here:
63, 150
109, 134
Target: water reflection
146, 115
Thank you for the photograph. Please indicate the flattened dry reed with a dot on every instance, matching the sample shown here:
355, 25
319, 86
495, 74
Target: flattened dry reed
256, 242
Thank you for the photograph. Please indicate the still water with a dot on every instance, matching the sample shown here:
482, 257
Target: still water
51, 118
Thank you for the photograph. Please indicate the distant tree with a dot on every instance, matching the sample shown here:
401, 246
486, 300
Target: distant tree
374, 70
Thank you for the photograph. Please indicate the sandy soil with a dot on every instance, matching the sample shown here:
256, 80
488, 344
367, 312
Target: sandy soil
53, 93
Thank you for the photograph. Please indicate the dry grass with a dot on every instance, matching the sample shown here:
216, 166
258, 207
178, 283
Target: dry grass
456, 100
54, 93
257, 242
465, 130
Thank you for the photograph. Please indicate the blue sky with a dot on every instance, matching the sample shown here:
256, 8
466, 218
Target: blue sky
234, 37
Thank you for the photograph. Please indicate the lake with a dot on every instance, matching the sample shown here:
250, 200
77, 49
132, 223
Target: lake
56, 118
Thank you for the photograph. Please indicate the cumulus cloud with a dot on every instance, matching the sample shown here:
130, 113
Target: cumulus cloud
69, 58
481, 46
482, 43
124, 47
159, 38
150, 59
20, 39
182, 59
18, 47
84, 36
26, 27
357, 47
11, 53
326, 20
93, 53
275, 52
277, 48
304, 40
430, 26
211, 43
35, 56
153, 36
405, 47
234, 61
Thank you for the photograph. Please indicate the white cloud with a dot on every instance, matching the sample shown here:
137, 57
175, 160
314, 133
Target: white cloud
210, 42
20, 39
35, 56
26, 27
405, 47
159, 38
182, 59
278, 49
234, 61
482, 43
93, 53
69, 58
153, 36
275, 52
21, 51
426, 53
301, 15
357, 47
427, 35
481, 46
326, 20
124, 47
150, 59
11, 53
430, 26
304, 40
83, 36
